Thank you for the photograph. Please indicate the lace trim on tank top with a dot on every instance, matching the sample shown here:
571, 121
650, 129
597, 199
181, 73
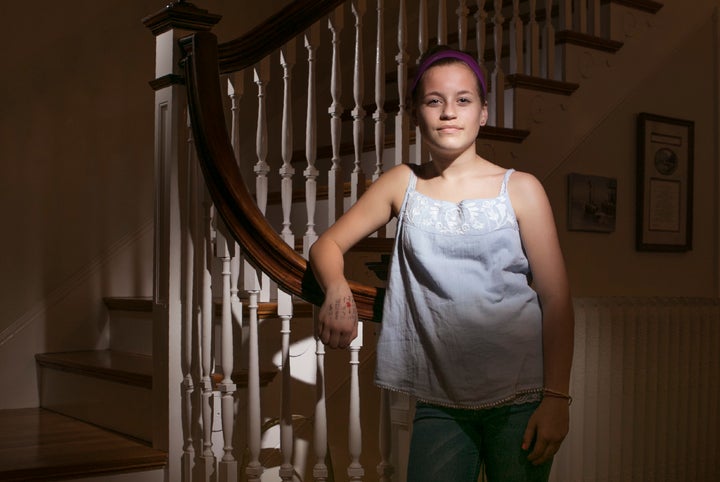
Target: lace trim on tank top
472, 216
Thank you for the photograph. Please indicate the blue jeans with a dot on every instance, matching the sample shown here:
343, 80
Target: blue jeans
452, 445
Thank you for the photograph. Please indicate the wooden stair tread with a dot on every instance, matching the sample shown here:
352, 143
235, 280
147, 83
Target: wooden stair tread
37, 444
129, 303
266, 309
128, 368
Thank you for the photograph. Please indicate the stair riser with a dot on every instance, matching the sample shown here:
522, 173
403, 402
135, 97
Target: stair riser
131, 331
116, 406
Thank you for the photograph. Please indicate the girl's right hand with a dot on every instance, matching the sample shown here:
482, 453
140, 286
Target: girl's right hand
338, 319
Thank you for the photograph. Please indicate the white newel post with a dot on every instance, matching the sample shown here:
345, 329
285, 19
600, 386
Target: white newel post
168, 25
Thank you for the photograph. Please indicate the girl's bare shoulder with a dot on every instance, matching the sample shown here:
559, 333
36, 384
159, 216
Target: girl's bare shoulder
523, 181
395, 178
525, 190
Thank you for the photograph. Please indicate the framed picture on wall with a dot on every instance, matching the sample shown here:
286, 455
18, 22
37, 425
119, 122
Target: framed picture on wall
592, 203
664, 183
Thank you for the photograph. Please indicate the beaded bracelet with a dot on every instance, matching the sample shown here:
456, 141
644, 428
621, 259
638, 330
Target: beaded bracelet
552, 393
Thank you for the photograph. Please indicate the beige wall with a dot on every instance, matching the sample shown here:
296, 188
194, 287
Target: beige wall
608, 264
76, 144
76, 167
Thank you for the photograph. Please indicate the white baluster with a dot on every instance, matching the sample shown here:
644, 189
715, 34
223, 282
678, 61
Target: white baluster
594, 18
335, 178
206, 324
379, 114
421, 153
188, 273
254, 469
355, 470
533, 43
402, 119
565, 16
442, 22
422, 28
312, 39
261, 78
228, 251
357, 181
516, 40
497, 99
462, 15
236, 88
385, 469
225, 250
320, 469
548, 64
580, 16
481, 34
287, 60
285, 311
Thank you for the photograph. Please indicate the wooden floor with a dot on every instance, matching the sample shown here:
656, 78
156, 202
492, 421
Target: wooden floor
36, 444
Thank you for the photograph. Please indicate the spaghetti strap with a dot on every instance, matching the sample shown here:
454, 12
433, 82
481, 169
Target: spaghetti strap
412, 181
503, 188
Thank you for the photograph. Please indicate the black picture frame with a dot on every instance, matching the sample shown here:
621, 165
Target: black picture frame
664, 183
592, 203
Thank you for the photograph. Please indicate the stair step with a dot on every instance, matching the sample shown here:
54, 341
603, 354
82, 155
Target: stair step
106, 388
266, 309
38, 444
127, 368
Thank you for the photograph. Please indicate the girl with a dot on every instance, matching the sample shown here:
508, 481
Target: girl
485, 353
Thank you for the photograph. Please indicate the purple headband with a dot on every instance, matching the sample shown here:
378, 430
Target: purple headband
450, 54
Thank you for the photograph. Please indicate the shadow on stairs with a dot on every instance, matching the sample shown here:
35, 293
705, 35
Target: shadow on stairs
37, 444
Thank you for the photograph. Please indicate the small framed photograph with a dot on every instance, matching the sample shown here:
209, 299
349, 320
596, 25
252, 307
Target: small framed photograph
664, 183
591, 203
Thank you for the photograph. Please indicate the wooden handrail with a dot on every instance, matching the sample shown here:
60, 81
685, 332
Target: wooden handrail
263, 247
268, 36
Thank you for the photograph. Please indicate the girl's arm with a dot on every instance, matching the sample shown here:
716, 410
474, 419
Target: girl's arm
337, 325
550, 423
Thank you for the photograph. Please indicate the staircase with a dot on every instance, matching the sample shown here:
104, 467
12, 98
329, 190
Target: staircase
95, 416
114, 392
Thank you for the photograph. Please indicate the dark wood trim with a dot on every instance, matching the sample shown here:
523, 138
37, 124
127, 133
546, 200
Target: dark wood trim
139, 303
268, 309
265, 309
240, 378
166, 81
644, 5
261, 244
588, 41
127, 368
540, 84
259, 42
504, 134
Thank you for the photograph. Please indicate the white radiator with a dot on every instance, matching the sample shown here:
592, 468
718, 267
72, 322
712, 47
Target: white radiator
645, 386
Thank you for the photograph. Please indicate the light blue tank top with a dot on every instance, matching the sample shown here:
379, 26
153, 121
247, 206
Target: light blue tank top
461, 326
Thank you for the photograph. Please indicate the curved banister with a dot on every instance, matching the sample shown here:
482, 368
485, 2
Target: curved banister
286, 24
264, 248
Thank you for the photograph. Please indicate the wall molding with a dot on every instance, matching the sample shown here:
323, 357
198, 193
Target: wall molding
73, 282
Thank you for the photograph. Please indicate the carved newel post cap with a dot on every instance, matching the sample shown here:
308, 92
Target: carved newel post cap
180, 15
